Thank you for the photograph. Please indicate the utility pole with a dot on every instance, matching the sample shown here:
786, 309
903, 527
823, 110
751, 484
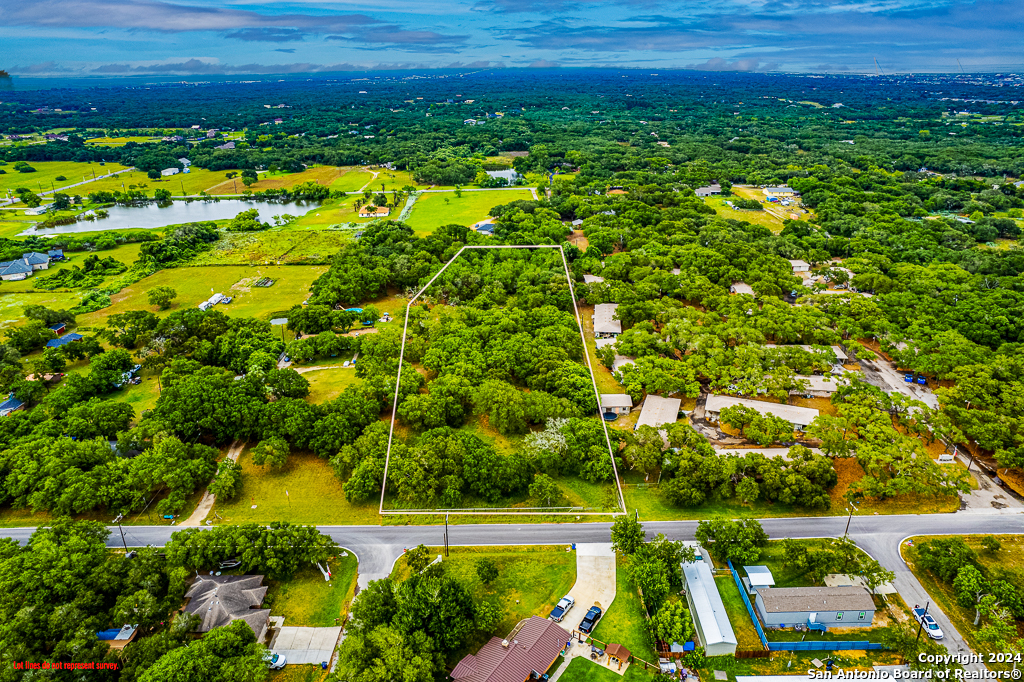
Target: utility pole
921, 625
846, 532
446, 534
118, 522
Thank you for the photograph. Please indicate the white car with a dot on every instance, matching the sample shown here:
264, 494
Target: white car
275, 661
928, 623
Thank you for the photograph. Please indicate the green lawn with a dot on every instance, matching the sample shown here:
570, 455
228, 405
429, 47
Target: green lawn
742, 625
307, 600
196, 284
352, 181
584, 670
276, 246
298, 673
328, 384
624, 621
12, 304
431, 210
120, 141
45, 177
314, 496
762, 217
530, 581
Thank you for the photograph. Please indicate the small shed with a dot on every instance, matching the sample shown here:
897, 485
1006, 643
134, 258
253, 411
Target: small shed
758, 576
799, 265
618, 653
58, 328
741, 288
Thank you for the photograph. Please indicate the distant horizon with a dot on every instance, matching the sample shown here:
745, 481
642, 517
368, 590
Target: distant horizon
89, 38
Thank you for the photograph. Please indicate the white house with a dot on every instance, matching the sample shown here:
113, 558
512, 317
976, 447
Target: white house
616, 403
779, 191
604, 323
658, 411
708, 611
169, 171
709, 190
829, 606
592, 279
799, 417
799, 265
374, 212
510, 175
741, 288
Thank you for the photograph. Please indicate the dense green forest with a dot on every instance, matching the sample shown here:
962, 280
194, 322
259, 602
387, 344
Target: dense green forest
909, 196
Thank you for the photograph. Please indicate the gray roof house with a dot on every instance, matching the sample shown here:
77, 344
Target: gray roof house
799, 417
15, 269
38, 261
829, 606
616, 403
510, 176
220, 600
709, 190
658, 411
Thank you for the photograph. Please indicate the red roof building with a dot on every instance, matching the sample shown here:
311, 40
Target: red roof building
534, 648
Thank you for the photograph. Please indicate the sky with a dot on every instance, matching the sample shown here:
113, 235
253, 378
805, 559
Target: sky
239, 37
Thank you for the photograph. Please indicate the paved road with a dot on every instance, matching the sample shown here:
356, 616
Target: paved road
4, 202
880, 536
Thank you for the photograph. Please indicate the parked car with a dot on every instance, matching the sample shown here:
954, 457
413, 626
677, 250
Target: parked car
590, 620
563, 607
921, 380
930, 626
275, 661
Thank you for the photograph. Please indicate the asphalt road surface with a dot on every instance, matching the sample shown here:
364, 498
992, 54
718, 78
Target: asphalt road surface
378, 547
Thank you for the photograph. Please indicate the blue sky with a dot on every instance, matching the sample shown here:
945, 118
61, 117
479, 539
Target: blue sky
214, 37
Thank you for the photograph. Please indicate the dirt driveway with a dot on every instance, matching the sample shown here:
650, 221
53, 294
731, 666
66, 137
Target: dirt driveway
595, 581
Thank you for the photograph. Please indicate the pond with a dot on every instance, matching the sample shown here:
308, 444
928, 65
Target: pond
152, 216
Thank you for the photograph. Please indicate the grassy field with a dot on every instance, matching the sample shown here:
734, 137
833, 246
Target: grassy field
11, 304
606, 382
742, 625
395, 180
298, 673
307, 600
280, 246
194, 285
623, 623
314, 496
120, 141
45, 177
530, 580
323, 175
754, 217
431, 210
328, 384
352, 181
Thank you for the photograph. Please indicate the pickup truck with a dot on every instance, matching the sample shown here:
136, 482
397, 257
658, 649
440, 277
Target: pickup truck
929, 624
563, 607
590, 620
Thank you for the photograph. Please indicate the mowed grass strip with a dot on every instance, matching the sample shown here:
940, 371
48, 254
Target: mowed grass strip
742, 625
307, 600
531, 580
624, 622
327, 384
581, 669
352, 181
431, 209
314, 495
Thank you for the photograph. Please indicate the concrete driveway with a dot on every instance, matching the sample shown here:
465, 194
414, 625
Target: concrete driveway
306, 645
595, 581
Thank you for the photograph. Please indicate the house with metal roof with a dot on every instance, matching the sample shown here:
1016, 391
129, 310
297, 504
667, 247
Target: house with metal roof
799, 417
829, 606
818, 386
13, 270
55, 254
64, 340
592, 279
219, 600
836, 350
528, 653
782, 191
707, 610
510, 176
38, 261
741, 288
708, 190
658, 411
605, 324
799, 265
616, 403
10, 405
58, 328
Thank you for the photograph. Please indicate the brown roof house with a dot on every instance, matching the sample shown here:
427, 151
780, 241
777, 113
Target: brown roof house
374, 211
532, 649
220, 600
